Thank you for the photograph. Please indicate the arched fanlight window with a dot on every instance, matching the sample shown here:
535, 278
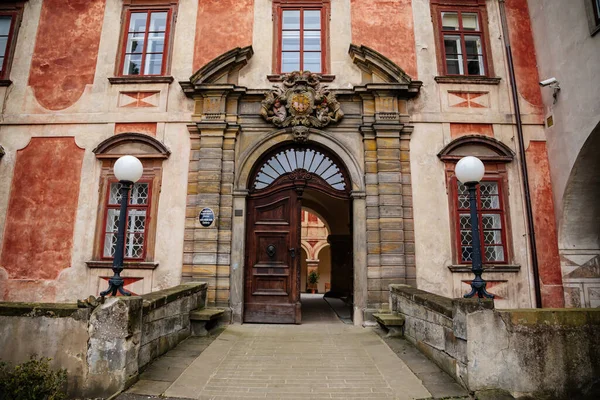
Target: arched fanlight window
292, 159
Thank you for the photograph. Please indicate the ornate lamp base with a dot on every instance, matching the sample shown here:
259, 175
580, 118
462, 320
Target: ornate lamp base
478, 287
115, 284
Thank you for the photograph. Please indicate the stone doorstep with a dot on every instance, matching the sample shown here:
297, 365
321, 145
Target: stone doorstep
394, 323
389, 320
206, 314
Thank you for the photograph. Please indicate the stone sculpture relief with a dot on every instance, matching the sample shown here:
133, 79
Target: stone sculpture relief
301, 100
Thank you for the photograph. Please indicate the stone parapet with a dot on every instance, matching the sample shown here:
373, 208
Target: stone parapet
103, 349
544, 353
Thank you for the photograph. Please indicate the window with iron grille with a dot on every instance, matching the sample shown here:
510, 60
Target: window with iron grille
492, 231
145, 42
137, 220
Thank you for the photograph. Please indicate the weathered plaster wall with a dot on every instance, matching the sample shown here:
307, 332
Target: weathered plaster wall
523, 51
66, 50
387, 27
41, 213
222, 25
546, 237
566, 50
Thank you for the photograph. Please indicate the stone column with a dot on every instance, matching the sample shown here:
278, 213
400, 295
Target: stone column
359, 244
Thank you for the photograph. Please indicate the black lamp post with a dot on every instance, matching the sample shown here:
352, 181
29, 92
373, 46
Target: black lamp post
128, 170
469, 170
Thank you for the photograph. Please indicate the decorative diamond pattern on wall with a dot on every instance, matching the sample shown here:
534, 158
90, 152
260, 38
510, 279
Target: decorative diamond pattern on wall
468, 99
139, 99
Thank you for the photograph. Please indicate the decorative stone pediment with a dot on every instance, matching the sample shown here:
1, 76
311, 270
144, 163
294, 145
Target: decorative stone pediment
301, 100
378, 69
222, 70
486, 148
137, 144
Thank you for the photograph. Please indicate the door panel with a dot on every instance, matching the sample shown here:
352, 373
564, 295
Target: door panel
272, 268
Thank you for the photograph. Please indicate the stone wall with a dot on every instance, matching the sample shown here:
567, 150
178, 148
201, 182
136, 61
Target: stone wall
103, 349
545, 353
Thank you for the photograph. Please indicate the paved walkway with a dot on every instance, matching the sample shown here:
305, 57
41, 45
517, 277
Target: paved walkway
320, 359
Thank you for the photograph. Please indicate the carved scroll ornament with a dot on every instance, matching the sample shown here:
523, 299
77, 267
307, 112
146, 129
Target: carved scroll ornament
301, 100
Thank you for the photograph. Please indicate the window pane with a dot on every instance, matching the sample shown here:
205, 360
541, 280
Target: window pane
156, 43
290, 40
137, 22
291, 19
158, 22
494, 254
5, 24
134, 240
110, 236
450, 21
490, 199
312, 40
492, 237
474, 55
135, 43
467, 253
453, 55
312, 62
470, 22
153, 64
465, 221
132, 64
114, 196
3, 43
139, 194
290, 61
491, 221
312, 19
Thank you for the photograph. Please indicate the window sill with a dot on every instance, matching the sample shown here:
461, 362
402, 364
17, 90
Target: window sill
127, 80
5, 82
486, 268
279, 77
595, 30
468, 80
126, 264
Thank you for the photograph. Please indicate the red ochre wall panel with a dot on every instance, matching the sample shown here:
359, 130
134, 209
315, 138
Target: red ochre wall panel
66, 51
38, 235
458, 130
149, 128
387, 27
546, 238
221, 26
523, 51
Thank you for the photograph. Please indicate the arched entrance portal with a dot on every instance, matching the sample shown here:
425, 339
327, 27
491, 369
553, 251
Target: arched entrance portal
282, 181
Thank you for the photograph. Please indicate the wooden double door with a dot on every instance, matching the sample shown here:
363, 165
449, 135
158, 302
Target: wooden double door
272, 277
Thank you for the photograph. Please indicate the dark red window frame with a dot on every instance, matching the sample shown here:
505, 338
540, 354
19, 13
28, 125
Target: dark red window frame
108, 206
9, 42
125, 36
461, 32
501, 211
283, 5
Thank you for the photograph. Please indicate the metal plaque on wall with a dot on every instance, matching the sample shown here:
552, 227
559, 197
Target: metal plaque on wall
206, 217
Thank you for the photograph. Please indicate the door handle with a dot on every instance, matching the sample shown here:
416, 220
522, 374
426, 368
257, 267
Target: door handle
293, 252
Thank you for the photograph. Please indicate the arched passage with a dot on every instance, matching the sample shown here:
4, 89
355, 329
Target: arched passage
579, 229
281, 181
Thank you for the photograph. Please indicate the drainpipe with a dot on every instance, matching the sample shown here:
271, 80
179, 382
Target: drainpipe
525, 175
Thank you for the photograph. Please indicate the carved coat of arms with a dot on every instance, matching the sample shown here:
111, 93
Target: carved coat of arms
301, 100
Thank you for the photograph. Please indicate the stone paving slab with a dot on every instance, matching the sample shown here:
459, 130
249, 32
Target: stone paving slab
290, 361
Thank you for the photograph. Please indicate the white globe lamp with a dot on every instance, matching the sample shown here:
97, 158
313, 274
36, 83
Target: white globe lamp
128, 169
469, 170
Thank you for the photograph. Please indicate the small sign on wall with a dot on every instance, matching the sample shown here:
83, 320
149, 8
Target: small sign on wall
206, 217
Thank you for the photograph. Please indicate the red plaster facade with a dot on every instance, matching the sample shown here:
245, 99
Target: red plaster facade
149, 128
38, 237
458, 130
214, 36
546, 237
386, 26
66, 51
523, 50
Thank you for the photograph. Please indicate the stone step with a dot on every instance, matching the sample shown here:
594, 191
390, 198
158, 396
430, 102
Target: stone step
206, 314
389, 319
